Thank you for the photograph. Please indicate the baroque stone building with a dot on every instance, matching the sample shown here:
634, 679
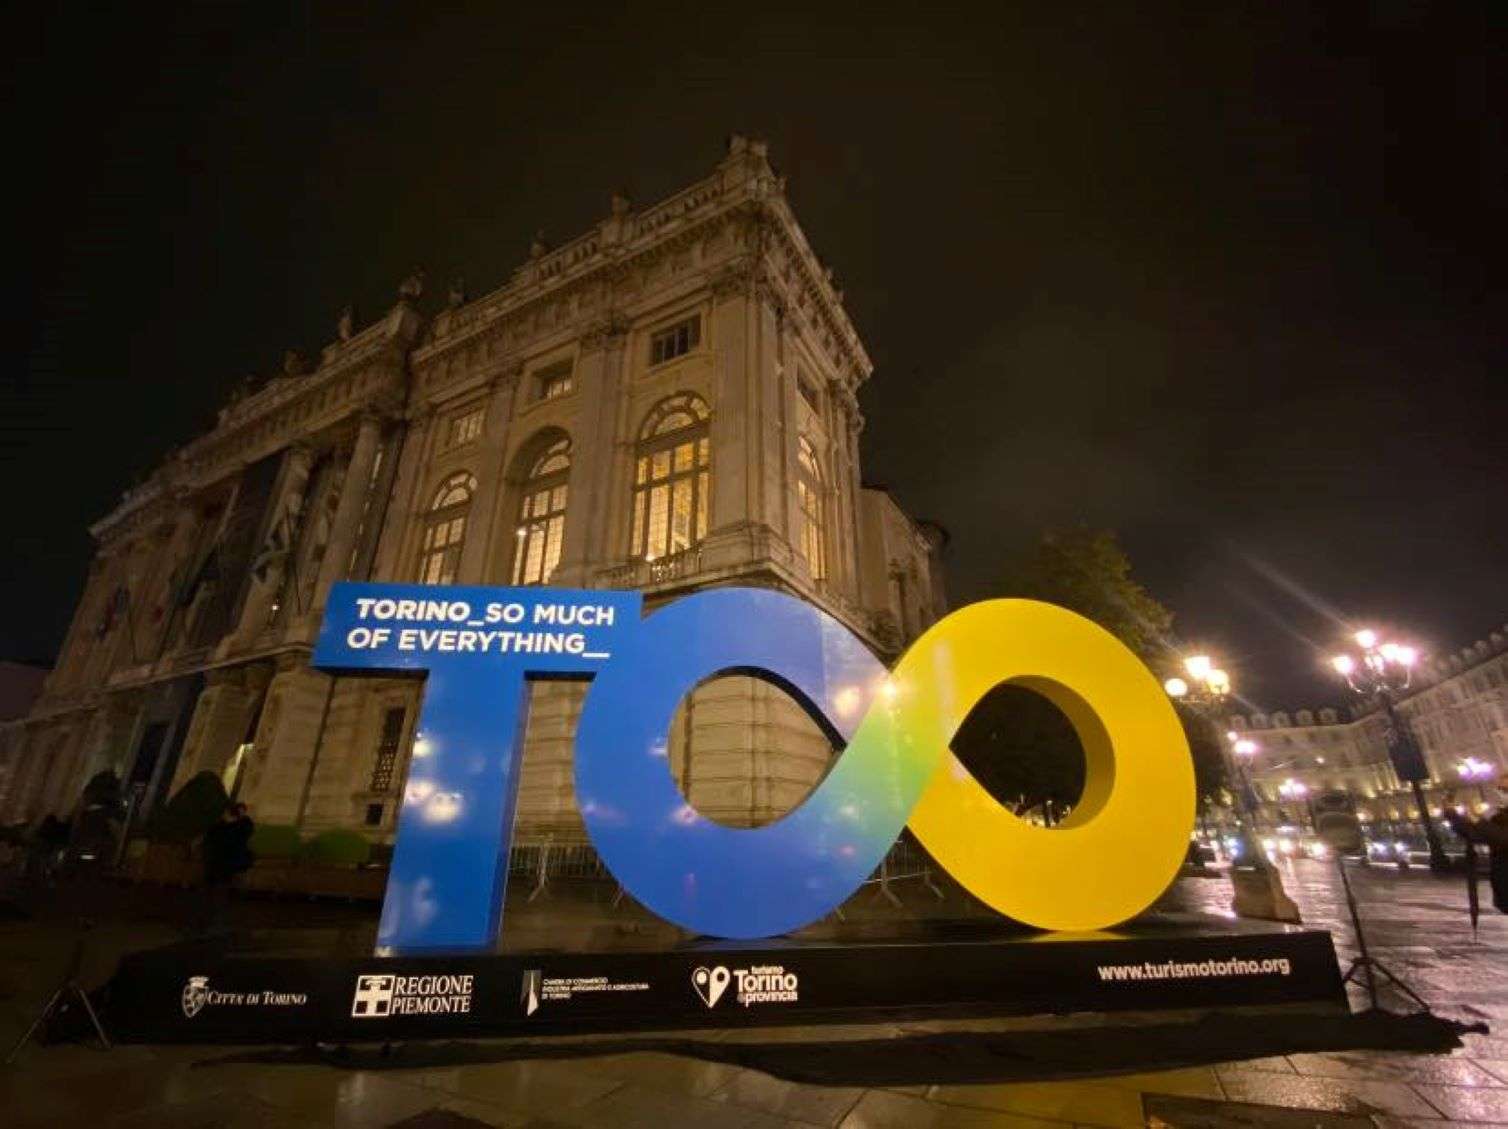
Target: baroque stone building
664, 403
1457, 710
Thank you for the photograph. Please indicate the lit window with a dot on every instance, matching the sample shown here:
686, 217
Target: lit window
445, 530
556, 381
466, 426
541, 515
675, 341
672, 479
809, 493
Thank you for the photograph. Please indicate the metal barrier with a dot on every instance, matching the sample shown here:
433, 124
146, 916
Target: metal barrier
542, 863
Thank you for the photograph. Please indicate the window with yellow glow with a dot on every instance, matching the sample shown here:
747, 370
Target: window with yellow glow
541, 515
672, 478
445, 530
809, 494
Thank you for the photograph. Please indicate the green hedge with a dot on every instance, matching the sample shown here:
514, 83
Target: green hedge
338, 848
276, 841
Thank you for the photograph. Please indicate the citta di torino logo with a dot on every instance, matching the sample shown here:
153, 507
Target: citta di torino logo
197, 995
761, 984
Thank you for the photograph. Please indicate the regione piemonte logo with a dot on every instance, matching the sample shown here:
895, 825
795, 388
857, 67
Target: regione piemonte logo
374, 997
195, 995
379, 995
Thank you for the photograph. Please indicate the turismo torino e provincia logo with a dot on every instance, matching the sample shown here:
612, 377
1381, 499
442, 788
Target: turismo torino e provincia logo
758, 984
478, 646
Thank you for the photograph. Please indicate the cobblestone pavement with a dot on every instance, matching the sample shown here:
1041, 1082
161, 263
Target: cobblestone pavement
1416, 923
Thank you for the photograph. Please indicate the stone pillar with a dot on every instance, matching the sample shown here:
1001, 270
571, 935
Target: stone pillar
290, 501
785, 437
387, 563
344, 527
221, 717
547, 811
27, 763
286, 740
485, 529
845, 486
736, 498
595, 450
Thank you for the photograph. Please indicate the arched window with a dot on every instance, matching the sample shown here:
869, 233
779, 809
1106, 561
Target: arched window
672, 478
809, 493
541, 514
445, 530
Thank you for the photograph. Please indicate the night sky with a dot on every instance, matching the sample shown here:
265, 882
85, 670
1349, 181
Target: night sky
1217, 281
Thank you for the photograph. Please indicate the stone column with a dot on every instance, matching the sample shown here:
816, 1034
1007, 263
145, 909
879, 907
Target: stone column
343, 528
599, 375
845, 479
221, 717
387, 563
290, 501
484, 529
735, 436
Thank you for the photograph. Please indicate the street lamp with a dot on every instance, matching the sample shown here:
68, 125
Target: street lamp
1381, 670
1295, 790
1258, 886
1475, 771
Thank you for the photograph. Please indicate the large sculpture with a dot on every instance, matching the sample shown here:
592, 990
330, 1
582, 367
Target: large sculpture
1107, 862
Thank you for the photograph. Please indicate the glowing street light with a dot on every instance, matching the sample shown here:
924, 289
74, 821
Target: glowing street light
1478, 772
1383, 669
1204, 687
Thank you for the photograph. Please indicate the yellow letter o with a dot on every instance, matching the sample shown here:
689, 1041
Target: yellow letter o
1124, 842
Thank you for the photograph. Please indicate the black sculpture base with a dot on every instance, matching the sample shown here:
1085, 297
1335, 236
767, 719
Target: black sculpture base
187, 993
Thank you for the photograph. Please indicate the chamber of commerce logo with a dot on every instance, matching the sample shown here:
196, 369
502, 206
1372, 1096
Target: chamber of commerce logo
195, 993
761, 984
382, 995
529, 993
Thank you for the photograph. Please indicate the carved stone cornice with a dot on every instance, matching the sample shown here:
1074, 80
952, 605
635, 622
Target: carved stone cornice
609, 333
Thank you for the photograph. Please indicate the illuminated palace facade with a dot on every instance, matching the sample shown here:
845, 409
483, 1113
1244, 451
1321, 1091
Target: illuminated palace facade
665, 403
1457, 711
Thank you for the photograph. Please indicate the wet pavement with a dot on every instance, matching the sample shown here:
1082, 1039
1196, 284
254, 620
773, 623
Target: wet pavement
1416, 924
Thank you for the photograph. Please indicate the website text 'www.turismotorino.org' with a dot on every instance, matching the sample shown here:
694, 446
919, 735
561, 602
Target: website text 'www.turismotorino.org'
1195, 970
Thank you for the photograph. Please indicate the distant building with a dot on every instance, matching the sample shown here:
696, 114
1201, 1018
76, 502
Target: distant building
20, 686
664, 403
1457, 708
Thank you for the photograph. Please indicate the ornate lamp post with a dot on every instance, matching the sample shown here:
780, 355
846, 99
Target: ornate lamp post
1474, 771
1382, 670
1257, 884
1297, 791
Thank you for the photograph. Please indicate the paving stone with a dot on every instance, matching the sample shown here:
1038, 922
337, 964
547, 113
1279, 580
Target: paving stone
882, 1109
1083, 1103
818, 1105
1338, 1095
1168, 1111
530, 1086
1389, 1065
643, 1107
1462, 1103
